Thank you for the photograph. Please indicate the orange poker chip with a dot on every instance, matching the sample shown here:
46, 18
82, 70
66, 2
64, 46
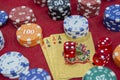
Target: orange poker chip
29, 34
116, 56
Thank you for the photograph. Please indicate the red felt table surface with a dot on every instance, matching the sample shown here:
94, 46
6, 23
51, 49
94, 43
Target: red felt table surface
35, 54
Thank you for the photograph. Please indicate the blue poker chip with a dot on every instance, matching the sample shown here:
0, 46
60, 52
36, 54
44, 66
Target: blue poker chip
3, 17
11, 64
113, 13
112, 18
111, 26
35, 74
76, 26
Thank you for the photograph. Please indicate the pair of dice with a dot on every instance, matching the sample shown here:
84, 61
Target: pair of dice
103, 52
74, 53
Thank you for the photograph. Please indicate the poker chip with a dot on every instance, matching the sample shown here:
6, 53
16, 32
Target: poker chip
3, 17
116, 56
76, 26
35, 74
2, 42
22, 15
58, 9
100, 73
88, 8
12, 64
29, 35
112, 18
42, 3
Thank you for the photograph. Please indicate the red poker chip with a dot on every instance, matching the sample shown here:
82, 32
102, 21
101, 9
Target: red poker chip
21, 15
89, 8
42, 3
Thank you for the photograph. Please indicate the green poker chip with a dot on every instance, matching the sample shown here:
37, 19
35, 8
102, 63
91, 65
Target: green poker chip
100, 73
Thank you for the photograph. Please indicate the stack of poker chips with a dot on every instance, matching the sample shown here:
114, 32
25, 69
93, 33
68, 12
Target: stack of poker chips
2, 42
112, 18
116, 55
76, 26
88, 8
29, 34
59, 9
3, 17
100, 73
42, 3
35, 74
12, 64
21, 15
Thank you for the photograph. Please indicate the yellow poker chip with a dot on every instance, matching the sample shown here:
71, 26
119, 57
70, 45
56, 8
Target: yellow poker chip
29, 34
116, 56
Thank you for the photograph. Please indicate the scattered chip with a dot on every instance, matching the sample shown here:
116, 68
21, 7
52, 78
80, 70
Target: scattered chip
88, 8
3, 17
12, 64
35, 74
22, 15
76, 26
29, 34
100, 73
116, 56
2, 41
42, 3
59, 9
112, 18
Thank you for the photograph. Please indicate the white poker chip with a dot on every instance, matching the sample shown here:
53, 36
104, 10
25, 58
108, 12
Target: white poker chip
76, 26
2, 41
11, 64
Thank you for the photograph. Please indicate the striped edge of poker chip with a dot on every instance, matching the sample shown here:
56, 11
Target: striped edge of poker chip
29, 34
111, 27
35, 74
112, 13
77, 34
3, 17
11, 63
2, 41
100, 73
116, 55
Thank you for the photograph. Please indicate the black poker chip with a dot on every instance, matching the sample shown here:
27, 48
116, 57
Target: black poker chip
59, 9
55, 5
59, 17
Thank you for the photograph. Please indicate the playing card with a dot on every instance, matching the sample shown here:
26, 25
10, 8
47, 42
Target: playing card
68, 71
47, 50
55, 41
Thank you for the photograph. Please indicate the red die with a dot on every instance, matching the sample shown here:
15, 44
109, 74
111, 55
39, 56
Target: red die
104, 51
105, 42
69, 49
99, 59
